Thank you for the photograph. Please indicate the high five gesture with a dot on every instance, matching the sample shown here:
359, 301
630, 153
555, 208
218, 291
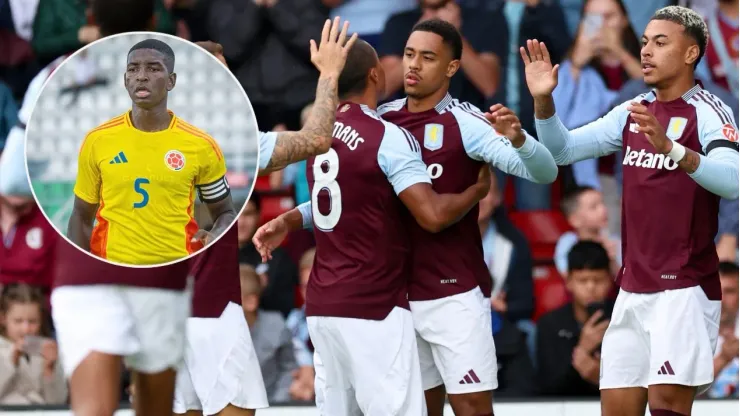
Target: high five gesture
542, 76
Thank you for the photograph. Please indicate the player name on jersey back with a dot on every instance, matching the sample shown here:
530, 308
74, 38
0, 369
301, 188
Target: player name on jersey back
668, 220
362, 250
145, 184
451, 261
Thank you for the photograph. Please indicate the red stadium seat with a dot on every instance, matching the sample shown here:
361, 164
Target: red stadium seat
542, 229
263, 183
274, 204
549, 290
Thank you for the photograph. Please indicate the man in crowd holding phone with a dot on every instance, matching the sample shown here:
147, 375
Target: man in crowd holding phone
569, 338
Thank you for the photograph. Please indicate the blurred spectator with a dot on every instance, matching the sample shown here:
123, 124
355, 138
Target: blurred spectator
266, 46
282, 276
479, 75
568, 338
516, 374
727, 233
17, 63
30, 370
508, 257
726, 355
302, 388
368, 17
8, 113
604, 56
585, 211
271, 338
28, 243
63, 26
721, 60
528, 19
60, 28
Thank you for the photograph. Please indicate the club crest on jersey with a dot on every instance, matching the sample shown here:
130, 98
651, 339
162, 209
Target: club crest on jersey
433, 136
676, 127
728, 130
34, 238
174, 160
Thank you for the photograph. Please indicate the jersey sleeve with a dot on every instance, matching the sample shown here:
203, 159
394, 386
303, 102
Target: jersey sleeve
399, 156
531, 161
211, 180
598, 138
87, 185
267, 146
306, 210
718, 170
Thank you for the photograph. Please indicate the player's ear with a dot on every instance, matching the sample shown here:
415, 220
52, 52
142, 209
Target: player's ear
452, 67
171, 81
692, 54
373, 75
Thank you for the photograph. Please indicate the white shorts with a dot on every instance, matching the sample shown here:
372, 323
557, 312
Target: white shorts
455, 340
144, 325
368, 367
220, 367
660, 338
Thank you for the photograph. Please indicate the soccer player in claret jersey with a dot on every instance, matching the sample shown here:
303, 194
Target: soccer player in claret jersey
356, 300
450, 286
680, 156
221, 374
138, 172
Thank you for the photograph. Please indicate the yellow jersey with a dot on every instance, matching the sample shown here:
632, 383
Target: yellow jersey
145, 185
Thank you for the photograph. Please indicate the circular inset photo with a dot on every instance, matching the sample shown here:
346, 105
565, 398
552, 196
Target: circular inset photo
142, 149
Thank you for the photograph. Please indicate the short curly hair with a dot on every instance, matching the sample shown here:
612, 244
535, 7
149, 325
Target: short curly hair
693, 25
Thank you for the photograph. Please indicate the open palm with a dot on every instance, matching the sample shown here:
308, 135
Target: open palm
542, 77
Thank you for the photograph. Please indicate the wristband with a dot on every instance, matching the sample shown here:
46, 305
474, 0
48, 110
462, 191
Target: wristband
677, 152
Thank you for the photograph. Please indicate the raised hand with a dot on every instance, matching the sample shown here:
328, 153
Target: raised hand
541, 75
650, 126
269, 237
330, 55
506, 123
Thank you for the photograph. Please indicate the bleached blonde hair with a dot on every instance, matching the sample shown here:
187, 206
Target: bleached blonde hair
693, 24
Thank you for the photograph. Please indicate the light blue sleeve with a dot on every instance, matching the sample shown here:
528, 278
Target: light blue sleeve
562, 248
399, 156
718, 170
531, 161
598, 138
307, 214
267, 146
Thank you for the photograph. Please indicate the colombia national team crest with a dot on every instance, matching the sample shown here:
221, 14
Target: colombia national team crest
433, 136
676, 127
174, 160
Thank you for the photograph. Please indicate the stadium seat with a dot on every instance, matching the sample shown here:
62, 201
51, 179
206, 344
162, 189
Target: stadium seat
549, 290
275, 204
542, 229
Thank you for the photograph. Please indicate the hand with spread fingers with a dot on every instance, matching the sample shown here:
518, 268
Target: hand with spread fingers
330, 55
541, 75
649, 125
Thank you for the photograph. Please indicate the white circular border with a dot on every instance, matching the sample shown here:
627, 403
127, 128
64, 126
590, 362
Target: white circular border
151, 35
184, 161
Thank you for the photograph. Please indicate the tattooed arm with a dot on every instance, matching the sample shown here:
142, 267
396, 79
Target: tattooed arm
316, 135
329, 57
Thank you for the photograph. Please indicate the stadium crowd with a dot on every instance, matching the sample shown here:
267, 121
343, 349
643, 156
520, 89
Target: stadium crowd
552, 250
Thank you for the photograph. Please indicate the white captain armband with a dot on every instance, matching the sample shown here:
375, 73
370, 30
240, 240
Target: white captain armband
214, 192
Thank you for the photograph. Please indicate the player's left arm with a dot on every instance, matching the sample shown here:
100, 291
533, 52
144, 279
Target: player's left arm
213, 190
505, 144
716, 172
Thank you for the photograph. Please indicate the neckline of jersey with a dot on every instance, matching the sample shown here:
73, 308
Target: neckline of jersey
169, 128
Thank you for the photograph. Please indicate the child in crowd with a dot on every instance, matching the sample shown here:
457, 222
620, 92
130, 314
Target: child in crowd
30, 371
